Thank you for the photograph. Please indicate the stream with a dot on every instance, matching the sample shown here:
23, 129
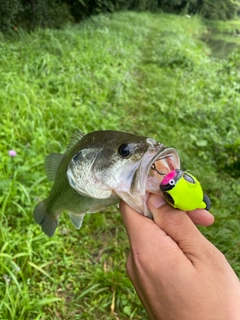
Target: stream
221, 45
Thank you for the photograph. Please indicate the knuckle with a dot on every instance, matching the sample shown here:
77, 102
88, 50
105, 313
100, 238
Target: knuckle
176, 218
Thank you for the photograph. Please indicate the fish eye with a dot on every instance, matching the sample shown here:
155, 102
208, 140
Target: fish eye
124, 150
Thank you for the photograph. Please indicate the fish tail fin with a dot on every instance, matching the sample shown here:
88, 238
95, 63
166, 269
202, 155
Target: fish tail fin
48, 222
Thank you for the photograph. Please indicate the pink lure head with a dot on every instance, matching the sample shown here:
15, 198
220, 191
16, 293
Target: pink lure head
171, 175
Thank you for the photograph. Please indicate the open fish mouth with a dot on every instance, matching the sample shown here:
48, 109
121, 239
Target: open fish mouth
154, 168
155, 164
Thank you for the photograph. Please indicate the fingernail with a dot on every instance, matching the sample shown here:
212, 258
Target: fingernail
156, 200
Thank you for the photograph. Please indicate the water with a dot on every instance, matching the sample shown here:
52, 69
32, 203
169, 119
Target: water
221, 44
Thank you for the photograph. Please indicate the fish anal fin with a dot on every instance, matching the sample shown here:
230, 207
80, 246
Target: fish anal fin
52, 163
77, 219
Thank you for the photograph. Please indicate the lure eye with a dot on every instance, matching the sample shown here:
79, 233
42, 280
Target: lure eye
124, 150
172, 182
167, 185
188, 178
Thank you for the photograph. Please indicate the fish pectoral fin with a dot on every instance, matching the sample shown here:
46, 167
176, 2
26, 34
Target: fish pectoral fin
51, 164
76, 219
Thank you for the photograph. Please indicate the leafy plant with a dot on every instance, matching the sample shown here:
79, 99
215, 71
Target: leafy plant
144, 73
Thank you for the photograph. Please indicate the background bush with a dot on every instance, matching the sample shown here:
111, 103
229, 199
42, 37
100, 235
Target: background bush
33, 14
55, 13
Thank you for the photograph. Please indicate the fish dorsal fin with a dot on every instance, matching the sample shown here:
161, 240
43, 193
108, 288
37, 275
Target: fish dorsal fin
77, 219
52, 162
76, 136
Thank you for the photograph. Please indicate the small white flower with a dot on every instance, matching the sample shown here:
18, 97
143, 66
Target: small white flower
17, 268
5, 277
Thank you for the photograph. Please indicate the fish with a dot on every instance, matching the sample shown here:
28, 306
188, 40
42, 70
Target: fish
97, 170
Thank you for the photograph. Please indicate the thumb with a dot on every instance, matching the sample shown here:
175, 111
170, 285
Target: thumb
177, 225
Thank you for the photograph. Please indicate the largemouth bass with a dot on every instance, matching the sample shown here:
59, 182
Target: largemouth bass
97, 170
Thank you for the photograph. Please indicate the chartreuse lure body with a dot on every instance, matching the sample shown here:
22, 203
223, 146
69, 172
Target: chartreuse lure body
183, 191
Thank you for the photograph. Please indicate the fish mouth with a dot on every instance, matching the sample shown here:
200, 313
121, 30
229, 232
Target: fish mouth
164, 161
155, 164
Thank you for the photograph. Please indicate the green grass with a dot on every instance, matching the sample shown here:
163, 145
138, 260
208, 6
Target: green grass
219, 26
143, 73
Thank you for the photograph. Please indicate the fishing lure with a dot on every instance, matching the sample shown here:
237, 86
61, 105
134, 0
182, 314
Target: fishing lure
183, 191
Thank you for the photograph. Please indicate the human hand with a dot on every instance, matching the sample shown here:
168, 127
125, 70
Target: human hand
177, 273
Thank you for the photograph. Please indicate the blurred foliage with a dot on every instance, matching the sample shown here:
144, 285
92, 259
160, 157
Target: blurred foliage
30, 14
143, 73
219, 10
209, 9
